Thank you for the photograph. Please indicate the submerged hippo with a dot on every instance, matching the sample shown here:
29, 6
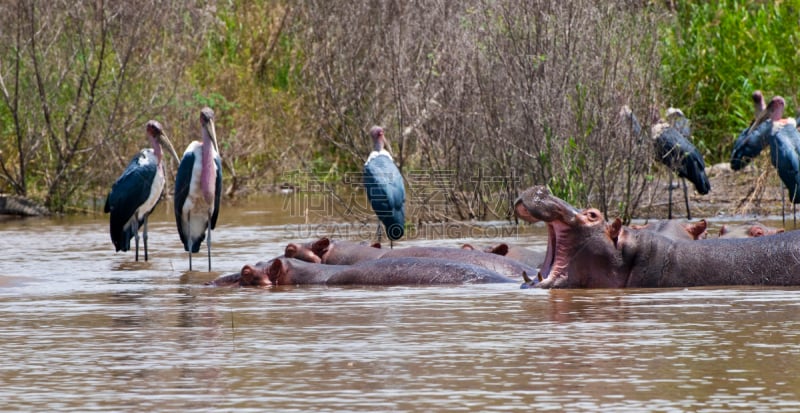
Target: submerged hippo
348, 253
334, 252
226, 280
386, 271
676, 229
390, 271
585, 252
753, 229
248, 276
524, 255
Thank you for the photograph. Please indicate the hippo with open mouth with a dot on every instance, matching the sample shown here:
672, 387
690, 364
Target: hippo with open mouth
584, 251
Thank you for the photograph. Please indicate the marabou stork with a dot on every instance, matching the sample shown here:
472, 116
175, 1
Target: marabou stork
136, 192
627, 116
385, 188
198, 186
754, 138
784, 145
673, 149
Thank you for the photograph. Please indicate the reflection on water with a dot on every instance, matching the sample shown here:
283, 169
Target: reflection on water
86, 329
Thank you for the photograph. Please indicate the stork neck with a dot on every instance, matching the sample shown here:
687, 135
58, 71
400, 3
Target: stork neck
208, 172
157, 150
378, 144
777, 113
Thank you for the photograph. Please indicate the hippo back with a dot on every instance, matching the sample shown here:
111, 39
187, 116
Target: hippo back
415, 271
494, 262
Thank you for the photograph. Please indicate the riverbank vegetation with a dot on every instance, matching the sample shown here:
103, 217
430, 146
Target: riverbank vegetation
479, 99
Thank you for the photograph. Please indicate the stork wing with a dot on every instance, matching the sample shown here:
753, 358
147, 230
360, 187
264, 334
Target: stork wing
182, 181
217, 191
129, 192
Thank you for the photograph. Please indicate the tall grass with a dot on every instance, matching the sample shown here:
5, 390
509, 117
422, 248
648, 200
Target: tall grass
715, 54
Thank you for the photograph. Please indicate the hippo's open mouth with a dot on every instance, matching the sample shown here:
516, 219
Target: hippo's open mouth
537, 204
555, 261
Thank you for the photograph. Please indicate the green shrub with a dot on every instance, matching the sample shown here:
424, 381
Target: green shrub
715, 54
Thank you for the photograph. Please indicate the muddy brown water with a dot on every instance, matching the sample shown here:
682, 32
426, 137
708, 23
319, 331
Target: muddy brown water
87, 329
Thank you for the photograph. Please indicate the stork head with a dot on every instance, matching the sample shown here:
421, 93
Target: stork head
378, 139
207, 126
773, 112
674, 113
155, 132
758, 102
154, 129
775, 108
625, 112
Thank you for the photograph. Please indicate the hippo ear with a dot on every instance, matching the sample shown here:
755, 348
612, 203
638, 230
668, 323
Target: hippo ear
613, 229
376, 245
320, 246
467, 247
276, 270
697, 229
756, 231
724, 230
499, 249
248, 274
290, 251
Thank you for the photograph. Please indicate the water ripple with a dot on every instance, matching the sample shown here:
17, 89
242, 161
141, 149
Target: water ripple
85, 329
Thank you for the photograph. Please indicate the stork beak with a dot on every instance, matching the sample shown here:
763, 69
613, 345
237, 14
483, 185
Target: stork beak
209, 129
761, 118
765, 114
386, 146
167, 144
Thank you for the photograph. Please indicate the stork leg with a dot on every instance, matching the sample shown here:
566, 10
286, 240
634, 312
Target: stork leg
783, 208
135, 225
686, 198
144, 238
208, 236
379, 233
669, 207
191, 242
794, 207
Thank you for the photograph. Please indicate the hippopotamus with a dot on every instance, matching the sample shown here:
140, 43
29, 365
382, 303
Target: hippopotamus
343, 252
226, 280
586, 252
385, 271
334, 252
389, 271
524, 255
753, 229
675, 229
248, 276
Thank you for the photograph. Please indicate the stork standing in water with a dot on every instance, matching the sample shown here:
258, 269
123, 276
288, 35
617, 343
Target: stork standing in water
137, 191
673, 149
198, 186
385, 188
